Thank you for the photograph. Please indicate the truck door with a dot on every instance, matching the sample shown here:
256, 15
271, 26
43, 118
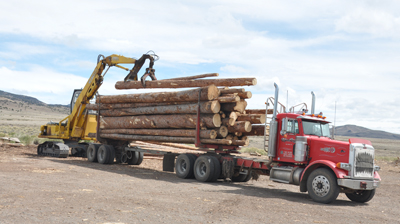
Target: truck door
287, 138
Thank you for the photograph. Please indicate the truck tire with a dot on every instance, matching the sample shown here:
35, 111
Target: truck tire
242, 177
136, 158
103, 154
111, 154
217, 169
361, 196
322, 186
204, 169
184, 166
91, 153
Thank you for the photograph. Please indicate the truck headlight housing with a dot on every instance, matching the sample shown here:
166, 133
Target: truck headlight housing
344, 166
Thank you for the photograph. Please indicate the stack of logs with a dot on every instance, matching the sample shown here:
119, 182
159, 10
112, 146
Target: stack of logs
172, 116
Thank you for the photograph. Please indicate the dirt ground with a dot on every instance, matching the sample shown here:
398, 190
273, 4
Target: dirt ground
50, 190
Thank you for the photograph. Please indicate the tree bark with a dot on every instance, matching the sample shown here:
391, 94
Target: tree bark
207, 134
228, 122
195, 77
207, 93
226, 90
228, 99
240, 126
160, 121
239, 106
256, 130
253, 118
186, 83
260, 111
207, 107
222, 131
241, 142
164, 139
245, 95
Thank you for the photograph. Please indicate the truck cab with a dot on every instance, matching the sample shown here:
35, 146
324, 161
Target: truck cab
304, 153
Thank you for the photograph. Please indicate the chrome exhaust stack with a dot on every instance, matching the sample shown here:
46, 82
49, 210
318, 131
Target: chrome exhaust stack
313, 103
273, 126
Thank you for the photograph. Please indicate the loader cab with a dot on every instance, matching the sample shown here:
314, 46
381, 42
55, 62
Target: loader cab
74, 98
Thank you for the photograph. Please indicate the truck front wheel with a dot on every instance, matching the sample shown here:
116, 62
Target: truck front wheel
361, 196
322, 186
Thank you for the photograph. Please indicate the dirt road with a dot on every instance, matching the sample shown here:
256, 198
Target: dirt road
50, 190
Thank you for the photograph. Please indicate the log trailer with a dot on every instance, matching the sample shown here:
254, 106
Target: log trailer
300, 149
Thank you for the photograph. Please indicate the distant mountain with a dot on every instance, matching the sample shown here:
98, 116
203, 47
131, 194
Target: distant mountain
27, 99
357, 131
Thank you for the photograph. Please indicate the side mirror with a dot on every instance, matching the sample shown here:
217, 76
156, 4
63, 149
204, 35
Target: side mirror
284, 126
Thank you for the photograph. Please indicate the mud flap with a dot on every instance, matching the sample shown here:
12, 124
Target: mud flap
169, 162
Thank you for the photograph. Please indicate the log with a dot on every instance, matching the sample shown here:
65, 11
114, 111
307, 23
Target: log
245, 95
252, 118
206, 107
175, 145
256, 130
239, 106
186, 83
208, 134
241, 142
222, 131
160, 121
260, 111
194, 77
229, 91
164, 139
129, 105
238, 133
207, 93
229, 137
228, 99
234, 115
240, 126
228, 122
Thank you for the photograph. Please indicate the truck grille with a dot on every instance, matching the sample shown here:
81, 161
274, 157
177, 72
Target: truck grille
364, 163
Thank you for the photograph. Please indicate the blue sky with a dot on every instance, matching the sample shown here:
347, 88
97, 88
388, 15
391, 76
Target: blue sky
344, 51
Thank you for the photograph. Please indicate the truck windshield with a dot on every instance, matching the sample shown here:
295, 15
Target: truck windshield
316, 128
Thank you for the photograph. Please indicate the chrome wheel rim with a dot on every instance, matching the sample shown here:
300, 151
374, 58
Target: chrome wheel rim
321, 185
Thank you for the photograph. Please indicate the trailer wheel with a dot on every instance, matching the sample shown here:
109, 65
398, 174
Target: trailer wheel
242, 177
136, 158
91, 153
204, 168
184, 166
217, 169
322, 186
361, 196
111, 154
103, 154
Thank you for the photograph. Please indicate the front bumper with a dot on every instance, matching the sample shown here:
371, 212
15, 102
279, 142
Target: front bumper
359, 184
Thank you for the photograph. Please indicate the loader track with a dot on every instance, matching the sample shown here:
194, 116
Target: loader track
53, 149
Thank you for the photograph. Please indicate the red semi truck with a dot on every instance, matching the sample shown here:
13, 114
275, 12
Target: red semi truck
300, 150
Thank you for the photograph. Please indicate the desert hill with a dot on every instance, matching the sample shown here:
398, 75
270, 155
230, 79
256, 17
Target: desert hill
361, 132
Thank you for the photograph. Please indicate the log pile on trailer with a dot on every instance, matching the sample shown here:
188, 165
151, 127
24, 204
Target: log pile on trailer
172, 116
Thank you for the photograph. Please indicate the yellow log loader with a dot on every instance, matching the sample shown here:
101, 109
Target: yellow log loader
81, 124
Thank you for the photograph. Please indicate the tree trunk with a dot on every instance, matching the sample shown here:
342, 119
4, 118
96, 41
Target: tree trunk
239, 106
226, 90
228, 99
153, 138
260, 111
240, 126
110, 106
228, 122
186, 83
160, 121
207, 93
222, 131
256, 130
245, 95
241, 142
207, 107
253, 118
208, 134
194, 77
